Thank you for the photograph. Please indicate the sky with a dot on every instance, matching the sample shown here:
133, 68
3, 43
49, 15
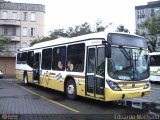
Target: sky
68, 13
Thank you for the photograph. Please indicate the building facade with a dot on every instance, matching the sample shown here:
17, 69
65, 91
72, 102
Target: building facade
144, 12
21, 23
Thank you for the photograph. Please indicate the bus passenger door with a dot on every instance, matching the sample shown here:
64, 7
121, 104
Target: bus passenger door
95, 81
36, 68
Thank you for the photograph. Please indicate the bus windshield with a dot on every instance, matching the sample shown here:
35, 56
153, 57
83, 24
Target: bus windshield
128, 64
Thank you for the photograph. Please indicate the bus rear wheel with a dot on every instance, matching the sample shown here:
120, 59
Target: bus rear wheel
25, 79
71, 89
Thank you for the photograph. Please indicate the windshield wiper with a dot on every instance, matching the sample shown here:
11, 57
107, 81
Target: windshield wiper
137, 56
129, 57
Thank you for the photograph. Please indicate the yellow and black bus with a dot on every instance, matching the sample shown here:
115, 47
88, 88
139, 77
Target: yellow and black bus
105, 66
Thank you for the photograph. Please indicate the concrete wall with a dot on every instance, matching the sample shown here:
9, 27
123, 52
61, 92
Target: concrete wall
7, 65
38, 24
18, 39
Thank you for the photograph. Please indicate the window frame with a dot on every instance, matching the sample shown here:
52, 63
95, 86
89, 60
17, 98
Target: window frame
33, 16
25, 16
25, 32
14, 15
5, 15
32, 32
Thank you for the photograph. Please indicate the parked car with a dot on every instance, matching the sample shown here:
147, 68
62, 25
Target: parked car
1, 74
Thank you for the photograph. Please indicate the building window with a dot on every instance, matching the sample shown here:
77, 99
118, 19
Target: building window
25, 31
46, 58
32, 32
33, 16
5, 15
140, 14
75, 57
14, 31
5, 30
9, 31
25, 16
24, 44
59, 58
152, 12
14, 15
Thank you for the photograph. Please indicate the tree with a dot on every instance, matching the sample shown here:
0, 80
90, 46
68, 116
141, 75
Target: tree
3, 43
58, 33
121, 28
152, 25
37, 40
78, 30
100, 26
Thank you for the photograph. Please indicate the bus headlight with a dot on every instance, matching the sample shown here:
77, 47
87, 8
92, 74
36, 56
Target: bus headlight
114, 86
146, 85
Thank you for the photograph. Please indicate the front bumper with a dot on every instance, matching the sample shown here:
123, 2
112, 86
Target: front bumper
111, 95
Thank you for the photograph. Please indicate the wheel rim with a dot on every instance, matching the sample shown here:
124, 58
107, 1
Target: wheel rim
25, 79
71, 89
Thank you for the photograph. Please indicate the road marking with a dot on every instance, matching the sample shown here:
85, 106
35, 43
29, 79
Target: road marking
69, 108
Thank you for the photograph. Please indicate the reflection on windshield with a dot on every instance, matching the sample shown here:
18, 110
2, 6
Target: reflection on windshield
128, 64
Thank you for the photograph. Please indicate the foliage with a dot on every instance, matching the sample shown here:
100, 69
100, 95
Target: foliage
121, 28
37, 40
58, 33
78, 30
152, 25
99, 26
3, 43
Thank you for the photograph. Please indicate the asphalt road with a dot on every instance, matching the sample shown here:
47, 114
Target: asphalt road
35, 102
155, 94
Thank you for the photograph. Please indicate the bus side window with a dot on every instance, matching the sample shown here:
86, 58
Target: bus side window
24, 58
19, 58
59, 58
46, 59
30, 58
75, 54
152, 60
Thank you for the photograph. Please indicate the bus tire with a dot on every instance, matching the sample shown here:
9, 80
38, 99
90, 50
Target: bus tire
25, 79
71, 91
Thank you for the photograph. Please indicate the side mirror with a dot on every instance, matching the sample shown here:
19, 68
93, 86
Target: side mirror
107, 50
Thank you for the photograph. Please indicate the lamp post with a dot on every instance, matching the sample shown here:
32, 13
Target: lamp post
20, 32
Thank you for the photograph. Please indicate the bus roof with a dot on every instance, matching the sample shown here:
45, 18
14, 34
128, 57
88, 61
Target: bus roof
154, 53
99, 35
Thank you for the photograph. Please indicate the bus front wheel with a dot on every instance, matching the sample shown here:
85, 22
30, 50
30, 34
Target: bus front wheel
71, 89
